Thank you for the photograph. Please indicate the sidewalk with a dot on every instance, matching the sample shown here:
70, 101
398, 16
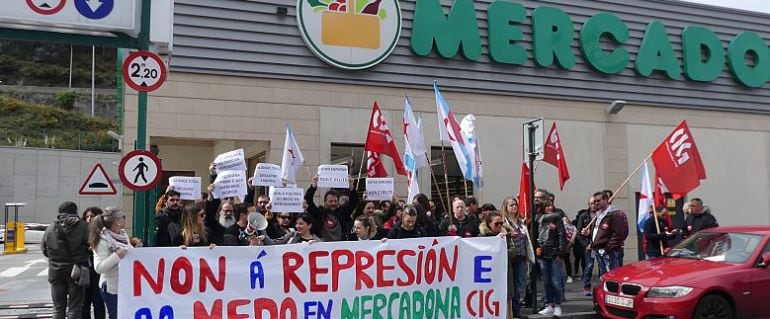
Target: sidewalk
576, 305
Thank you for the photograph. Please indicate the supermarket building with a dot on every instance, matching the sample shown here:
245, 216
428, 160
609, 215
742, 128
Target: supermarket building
242, 70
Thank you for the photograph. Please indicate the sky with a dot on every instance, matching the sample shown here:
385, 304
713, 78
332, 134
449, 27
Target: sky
751, 5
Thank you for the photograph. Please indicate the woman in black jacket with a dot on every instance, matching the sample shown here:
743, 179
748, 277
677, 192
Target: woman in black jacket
550, 245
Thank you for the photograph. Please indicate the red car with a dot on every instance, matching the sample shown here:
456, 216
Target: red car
721, 272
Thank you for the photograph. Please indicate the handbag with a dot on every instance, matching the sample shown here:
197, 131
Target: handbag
81, 275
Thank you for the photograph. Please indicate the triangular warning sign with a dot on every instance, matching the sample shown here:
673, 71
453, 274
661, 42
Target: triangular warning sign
98, 183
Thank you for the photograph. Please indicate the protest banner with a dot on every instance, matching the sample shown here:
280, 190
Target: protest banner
379, 188
333, 176
420, 278
286, 199
230, 161
267, 174
189, 188
230, 184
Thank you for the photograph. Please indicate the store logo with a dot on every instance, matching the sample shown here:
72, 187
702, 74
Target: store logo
350, 34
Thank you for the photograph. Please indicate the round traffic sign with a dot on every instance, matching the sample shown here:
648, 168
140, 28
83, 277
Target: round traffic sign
94, 9
144, 71
140, 170
46, 7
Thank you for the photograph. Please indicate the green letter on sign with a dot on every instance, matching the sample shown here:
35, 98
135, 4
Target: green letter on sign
449, 32
736, 56
656, 53
552, 33
590, 37
697, 43
502, 32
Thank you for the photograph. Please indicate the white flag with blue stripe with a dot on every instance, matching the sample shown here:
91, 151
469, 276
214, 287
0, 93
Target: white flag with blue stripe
448, 126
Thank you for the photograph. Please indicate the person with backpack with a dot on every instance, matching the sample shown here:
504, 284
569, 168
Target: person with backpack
65, 244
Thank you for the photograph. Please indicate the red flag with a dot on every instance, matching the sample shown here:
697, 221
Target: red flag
374, 166
379, 140
524, 192
678, 162
553, 154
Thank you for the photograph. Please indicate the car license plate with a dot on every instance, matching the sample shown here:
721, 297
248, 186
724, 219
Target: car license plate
619, 301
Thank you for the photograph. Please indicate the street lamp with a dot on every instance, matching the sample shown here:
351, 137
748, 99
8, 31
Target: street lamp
116, 137
615, 107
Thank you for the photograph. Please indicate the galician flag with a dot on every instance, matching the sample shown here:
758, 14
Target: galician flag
449, 130
292, 158
645, 199
413, 133
414, 187
468, 126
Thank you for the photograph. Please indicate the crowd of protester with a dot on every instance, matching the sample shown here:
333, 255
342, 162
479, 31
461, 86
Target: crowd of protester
595, 236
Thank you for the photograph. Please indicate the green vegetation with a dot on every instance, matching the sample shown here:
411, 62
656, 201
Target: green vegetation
23, 124
66, 99
48, 64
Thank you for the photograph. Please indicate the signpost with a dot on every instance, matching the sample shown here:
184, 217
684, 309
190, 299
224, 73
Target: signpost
95, 9
144, 71
140, 170
45, 7
98, 183
533, 150
75, 15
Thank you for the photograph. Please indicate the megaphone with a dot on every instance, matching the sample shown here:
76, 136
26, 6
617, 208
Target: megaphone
256, 222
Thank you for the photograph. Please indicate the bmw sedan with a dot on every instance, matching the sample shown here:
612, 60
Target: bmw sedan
719, 272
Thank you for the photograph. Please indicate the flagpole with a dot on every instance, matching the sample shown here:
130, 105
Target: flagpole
657, 226
446, 182
618, 190
435, 182
361, 167
629, 177
465, 186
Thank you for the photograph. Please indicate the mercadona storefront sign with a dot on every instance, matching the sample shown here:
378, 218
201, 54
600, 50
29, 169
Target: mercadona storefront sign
369, 34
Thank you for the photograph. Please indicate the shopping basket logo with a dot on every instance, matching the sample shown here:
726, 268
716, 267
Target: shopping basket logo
350, 34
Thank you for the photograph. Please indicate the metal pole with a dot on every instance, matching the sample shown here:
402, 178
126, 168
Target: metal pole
533, 230
70, 81
140, 198
93, 79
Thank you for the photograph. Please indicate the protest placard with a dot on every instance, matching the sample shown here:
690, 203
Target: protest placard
425, 278
379, 188
189, 188
333, 176
230, 161
286, 199
230, 184
267, 174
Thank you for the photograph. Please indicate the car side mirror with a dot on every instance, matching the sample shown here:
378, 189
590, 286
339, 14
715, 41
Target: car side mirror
765, 262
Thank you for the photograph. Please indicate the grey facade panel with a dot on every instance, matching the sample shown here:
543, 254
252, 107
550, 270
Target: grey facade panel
248, 38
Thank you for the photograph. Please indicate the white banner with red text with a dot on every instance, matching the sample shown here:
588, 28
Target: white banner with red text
444, 277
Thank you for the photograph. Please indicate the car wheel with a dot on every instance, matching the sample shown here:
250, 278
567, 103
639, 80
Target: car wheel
713, 307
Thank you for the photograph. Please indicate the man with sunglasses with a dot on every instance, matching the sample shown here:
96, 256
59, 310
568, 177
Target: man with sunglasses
284, 224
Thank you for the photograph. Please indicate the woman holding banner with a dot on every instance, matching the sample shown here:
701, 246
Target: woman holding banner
364, 228
302, 234
110, 243
494, 224
194, 230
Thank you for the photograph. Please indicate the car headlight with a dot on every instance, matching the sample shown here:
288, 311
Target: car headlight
669, 292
